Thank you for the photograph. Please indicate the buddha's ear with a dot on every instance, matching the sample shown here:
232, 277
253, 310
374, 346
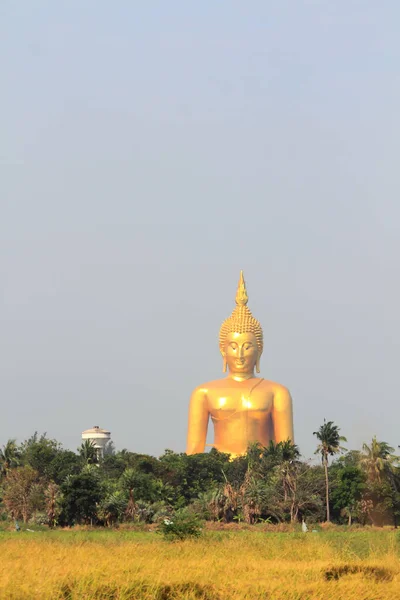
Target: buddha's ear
258, 364
224, 365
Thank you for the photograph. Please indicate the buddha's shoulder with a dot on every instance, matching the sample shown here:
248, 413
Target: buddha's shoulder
276, 388
209, 385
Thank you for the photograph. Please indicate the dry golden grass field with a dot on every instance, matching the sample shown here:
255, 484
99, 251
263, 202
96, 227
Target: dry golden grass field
227, 564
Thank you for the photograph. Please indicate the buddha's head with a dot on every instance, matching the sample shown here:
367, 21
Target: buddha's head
241, 337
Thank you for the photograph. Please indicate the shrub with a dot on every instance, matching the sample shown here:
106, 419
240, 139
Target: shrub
181, 525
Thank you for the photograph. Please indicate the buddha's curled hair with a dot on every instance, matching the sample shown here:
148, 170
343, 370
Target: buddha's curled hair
241, 319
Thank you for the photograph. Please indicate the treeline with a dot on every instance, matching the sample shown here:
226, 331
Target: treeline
43, 483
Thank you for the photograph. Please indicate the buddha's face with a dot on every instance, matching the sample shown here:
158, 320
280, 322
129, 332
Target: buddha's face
241, 352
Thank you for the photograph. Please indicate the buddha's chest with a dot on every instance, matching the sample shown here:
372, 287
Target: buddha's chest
228, 403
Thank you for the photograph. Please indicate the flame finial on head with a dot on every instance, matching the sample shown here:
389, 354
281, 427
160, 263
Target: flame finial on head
241, 319
241, 294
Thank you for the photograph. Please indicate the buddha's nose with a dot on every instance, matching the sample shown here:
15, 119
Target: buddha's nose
241, 353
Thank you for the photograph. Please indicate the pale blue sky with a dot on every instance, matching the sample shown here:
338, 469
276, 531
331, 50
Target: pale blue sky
149, 151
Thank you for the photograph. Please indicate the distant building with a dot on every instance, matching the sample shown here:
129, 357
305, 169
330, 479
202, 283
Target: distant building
99, 438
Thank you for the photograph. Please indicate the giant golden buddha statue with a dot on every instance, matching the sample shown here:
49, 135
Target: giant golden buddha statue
243, 408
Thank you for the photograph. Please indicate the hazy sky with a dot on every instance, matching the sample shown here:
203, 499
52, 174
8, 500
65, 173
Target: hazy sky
151, 150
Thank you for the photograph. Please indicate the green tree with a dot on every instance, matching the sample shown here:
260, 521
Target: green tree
306, 492
142, 463
252, 498
270, 480
256, 485
380, 465
64, 463
80, 496
348, 491
289, 455
378, 459
112, 466
113, 507
329, 445
39, 452
10, 457
52, 498
190, 475
88, 452
128, 483
139, 486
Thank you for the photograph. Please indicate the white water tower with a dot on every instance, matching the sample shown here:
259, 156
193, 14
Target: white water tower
99, 438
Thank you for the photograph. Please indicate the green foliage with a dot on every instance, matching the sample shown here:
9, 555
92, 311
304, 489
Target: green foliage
10, 457
382, 469
189, 476
39, 453
113, 465
88, 453
378, 459
52, 499
329, 440
80, 495
152, 512
65, 463
41, 481
181, 525
348, 491
143, 486
112, 507
329, 445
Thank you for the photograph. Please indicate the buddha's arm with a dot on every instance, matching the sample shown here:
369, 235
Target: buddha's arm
282, 415
198, 422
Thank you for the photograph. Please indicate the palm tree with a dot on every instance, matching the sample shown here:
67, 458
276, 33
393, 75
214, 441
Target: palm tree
329, 445
88, 452
273, 453
9, 457
252, 496
52, 494
377, 459
128, 482
113, 507
290, 455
